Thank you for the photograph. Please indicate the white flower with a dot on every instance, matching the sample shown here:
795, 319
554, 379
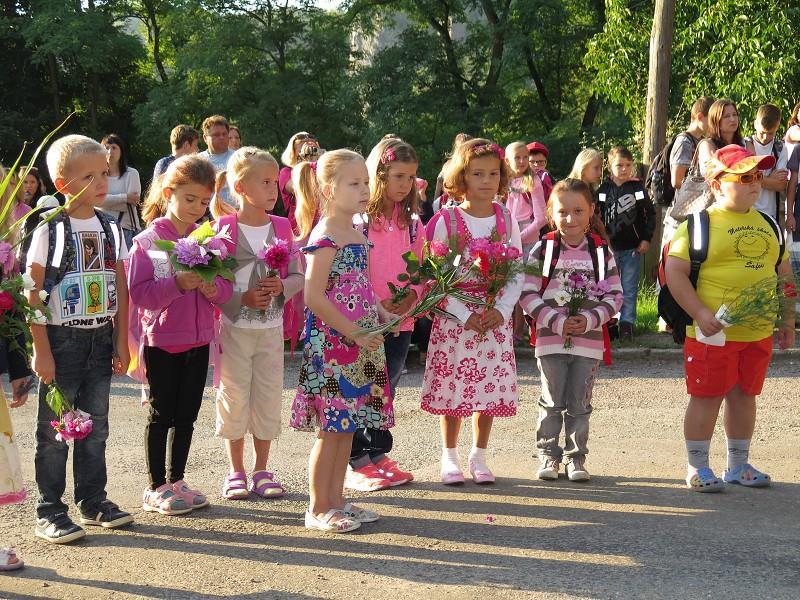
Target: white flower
561, 297
27, 282
223, 234
457, 260
42, 295
39, 318
563, 276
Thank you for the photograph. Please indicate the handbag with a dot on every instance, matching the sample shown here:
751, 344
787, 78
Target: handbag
694, 195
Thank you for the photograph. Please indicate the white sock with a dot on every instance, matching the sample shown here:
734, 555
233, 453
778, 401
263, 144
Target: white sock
738, 452
478, 455
698, 453
450, 460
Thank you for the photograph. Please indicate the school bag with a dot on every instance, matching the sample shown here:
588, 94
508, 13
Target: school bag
698, 231
292, 309
455, 224
61, 251
550, 250
659, 175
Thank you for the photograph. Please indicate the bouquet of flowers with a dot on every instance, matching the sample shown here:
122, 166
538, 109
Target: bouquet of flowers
438, 270
577, 286
203, 251
753, 307
276, 256
72, 424
15, 311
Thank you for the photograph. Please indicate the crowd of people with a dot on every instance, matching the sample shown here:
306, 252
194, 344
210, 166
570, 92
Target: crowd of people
116, 304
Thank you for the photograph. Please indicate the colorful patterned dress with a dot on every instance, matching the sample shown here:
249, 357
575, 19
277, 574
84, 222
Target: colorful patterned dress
11, 487
342, 386
466, 372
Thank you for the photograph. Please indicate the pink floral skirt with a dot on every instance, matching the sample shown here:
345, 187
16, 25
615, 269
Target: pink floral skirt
465, 374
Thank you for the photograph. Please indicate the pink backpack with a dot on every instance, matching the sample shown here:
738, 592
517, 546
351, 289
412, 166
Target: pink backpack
454, 221
293, 309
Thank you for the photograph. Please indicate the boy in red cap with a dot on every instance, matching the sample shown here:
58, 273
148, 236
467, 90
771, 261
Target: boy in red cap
538, 161
743, 249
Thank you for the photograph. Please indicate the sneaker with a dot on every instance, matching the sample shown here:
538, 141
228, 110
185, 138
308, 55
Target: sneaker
625, 332
58, 529
747, 475
106, 514
576, 470
703, 480
389, 469
548, 468
366, 479
165, 501
194, 498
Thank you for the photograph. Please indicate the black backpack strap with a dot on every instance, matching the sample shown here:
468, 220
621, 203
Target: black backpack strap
698, 230
111, 232
778, 233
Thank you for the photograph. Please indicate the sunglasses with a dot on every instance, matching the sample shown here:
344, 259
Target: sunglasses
745, 178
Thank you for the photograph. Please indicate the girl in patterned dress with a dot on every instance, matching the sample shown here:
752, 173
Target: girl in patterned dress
471, 369
343, 384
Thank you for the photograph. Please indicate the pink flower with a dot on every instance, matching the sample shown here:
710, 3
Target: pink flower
73, 425
6, 257
439, 248
513, 253
217, 246
388, 156
480, 246
6, 301
276, 256
577, 280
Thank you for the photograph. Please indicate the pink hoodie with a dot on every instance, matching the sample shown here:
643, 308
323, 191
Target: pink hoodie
168, 317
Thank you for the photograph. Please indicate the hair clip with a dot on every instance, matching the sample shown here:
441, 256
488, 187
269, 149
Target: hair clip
491, 148
388, 156
313, 166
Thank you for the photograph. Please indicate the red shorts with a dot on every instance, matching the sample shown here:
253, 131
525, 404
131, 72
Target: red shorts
713, 371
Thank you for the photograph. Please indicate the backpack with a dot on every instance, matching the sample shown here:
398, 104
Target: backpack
659, 175
550, 250
61, 251
454, 223
698, 231
292, 310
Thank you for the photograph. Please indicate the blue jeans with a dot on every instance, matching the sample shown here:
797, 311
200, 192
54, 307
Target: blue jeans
629, 263
83, 372
396, 349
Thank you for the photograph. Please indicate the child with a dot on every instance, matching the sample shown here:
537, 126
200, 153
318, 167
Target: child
537, 158
251, 374
568, 374
471, 370
393, 228
630, 221
343, 380
734, 372
525, 200
77, 350
176, 316
588, 167
764, 142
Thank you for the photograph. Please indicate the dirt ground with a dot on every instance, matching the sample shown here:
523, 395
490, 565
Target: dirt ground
632, 532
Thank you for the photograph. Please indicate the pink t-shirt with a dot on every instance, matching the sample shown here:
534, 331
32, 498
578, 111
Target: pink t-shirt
390, 242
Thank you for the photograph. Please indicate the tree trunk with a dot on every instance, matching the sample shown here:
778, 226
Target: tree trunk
155, 35
52, 69
590, 114
655, 128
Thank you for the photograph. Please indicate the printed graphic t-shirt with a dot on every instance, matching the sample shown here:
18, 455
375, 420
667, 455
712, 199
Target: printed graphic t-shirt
742, 250
87, 296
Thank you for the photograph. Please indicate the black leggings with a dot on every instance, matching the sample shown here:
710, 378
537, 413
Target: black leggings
176, 383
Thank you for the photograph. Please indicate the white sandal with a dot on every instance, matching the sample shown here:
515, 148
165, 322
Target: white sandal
6, 554
363, 515
344, 524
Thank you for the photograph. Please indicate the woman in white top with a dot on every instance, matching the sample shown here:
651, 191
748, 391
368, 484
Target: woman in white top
124, 188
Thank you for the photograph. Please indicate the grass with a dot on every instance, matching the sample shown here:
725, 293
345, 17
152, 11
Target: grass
647, 308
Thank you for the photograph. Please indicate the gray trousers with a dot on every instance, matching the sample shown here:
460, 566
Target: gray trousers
567, 383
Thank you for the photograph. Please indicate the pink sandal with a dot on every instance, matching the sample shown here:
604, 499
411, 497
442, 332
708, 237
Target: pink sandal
235, 486
265, 485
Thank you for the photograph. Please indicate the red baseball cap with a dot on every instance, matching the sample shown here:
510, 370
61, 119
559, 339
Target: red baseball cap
538, 147
737, 160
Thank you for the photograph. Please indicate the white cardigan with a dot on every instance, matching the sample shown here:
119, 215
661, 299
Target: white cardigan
117, 198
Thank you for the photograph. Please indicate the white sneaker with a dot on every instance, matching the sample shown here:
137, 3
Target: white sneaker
576, 471
548, 468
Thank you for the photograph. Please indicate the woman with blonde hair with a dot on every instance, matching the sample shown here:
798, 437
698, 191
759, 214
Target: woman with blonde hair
302, 146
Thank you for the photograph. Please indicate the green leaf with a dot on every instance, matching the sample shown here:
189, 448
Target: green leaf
56, 401
202, 233
167, 245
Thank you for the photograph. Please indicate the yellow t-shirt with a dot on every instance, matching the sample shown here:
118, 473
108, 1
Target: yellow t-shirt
742, 250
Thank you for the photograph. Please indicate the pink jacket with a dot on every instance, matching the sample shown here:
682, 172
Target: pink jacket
167, 315
528, 208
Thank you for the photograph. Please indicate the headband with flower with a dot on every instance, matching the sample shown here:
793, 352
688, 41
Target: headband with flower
387, 156
492, 147
313, 166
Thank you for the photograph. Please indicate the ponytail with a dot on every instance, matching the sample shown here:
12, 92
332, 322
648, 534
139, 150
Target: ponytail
219, 207
155, 205
306, 190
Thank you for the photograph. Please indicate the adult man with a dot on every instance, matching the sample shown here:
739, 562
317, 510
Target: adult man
215, 134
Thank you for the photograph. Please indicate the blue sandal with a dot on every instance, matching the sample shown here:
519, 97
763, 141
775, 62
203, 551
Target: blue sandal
748, 476
704, 481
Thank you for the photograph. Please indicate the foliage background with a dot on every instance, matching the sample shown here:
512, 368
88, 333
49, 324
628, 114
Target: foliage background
569, 73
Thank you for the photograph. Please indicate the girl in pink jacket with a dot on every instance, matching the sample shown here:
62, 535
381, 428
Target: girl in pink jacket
175, 314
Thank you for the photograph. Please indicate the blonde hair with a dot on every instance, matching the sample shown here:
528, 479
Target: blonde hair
527, 176
68, 148
379, 162
308, 180
191, 168
454, 169
240, 164
290, 155
585, 157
